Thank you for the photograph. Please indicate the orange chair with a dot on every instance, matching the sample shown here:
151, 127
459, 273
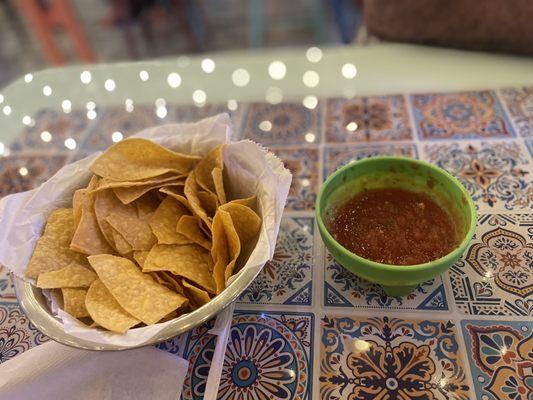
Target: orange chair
44, 17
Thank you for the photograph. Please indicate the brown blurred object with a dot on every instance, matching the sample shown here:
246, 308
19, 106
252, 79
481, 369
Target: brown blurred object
469, 24
44, 17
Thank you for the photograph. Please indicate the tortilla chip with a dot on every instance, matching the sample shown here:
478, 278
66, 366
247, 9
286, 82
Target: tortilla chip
146, 205
104, 203
188, 226
248, 201
74, 302
191, 193
170, 316
135, 291
105, 310
165, 219
88, 238
78, 199
160, 280
73, 275
178, 194
140, 257
136, 231
198, 297
225, 249
135, 159
218, 179
173, 280
122, 246
247, 223
188, 261
209, 202
203, 171
52, 251
104, 183
128, 194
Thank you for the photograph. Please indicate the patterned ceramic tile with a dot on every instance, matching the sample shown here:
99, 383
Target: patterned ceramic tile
344, 289
117, 119
519, 102
176, 345
304, 165
470, 115
281, 124
501, 358
7, 290
269, 356
17, 333
364, 119
336, 157
390, 358
495, 275
193, 113
496, 174
60, 126
287, 279
23, 172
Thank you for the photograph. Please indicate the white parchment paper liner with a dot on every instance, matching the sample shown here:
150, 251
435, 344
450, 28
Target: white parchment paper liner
251, 170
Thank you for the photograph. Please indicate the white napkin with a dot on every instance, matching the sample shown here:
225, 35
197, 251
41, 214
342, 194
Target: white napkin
54, 371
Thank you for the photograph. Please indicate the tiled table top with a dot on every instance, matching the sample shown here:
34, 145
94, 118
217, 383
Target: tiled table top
308, 329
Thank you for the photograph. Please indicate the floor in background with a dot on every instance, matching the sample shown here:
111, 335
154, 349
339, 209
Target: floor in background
287, 23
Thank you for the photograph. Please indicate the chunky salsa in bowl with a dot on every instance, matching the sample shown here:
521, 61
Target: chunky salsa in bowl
395, 221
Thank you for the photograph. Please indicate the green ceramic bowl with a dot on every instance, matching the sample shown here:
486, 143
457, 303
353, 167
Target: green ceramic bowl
405, 173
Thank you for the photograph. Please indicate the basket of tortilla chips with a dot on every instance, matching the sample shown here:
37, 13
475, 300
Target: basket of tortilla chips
146, 240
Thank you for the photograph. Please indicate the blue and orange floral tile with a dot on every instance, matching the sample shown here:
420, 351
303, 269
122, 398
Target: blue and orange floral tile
117, 119
7, 290
519, 102
269, 356
495, 275
287, 279
57, 127
344, 289
363, 119
282, 124
501, 358
191, 113
467, 115
496, 174
17, 333
338, 156
303, 162
26, 171
176, 345
390, 358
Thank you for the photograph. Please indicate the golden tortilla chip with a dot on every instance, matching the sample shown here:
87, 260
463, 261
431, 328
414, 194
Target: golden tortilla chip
170, 316
188, 226
79, 199
104, 183
135, 291
198, 297
135, 159
203, 171
105, 310
218, 179
122, 246
73, 275
178, 194
165, 219
136, 231
146, 206
128, 194
88, 238
104, 203
248, 201
173, 280
247, 223
52, 251
188, 261
209, 202
74, 302
225, 249
140, 257
191, 193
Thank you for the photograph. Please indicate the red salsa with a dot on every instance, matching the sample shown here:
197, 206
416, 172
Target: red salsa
393, 226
